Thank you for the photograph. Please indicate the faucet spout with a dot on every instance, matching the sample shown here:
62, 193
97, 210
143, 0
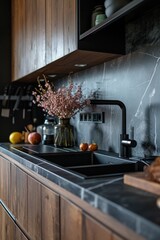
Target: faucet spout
125, 142
113, 102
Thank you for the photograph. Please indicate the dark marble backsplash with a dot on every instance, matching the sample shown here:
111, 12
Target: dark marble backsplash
135, 80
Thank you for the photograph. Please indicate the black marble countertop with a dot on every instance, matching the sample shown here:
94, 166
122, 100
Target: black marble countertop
133, 207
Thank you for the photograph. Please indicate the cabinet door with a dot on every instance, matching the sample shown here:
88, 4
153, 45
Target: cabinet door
8, 229
18, 39
50, 214
28, 36
4, 180
34, 209
71, 221
61, 28
34, 35
93, 230
54, 30
70, 26
18, 192
19, 235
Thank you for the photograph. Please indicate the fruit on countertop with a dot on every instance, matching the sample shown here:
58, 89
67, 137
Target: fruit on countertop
16, 137
93, 147
34, 138
83, 147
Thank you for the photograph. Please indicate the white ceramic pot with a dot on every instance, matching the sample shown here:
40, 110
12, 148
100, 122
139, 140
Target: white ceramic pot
114, 5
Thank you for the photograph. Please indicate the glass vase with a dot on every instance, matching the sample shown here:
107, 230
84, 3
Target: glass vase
64, 133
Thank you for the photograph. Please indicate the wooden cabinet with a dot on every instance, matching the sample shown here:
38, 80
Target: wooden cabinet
61, 28
76, 224
50, 214
18, 38
18, 191
70, 30
4, 181
8, 228
96, 230
42, 210
71, 221
46, 40
28, 36
35, 207
53, 37
43, 31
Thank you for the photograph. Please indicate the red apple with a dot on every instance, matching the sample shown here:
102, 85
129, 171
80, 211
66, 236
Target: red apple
34, 138
83, 147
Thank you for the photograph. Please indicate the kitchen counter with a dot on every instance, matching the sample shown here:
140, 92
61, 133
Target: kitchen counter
133, 207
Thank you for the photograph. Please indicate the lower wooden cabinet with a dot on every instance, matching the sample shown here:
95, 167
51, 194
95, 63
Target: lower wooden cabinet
76, 224
95, 230
35, 207
71, 221
43, 214
18, 192
8, 229
50, 214
4, 180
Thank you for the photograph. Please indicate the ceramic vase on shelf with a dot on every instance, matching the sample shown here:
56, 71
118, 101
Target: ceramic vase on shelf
64, 133
98, 15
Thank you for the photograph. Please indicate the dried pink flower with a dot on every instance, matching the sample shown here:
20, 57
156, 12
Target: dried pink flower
63, 103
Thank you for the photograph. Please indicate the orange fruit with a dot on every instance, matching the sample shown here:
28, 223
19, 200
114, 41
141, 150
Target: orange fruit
93, 147
16, 137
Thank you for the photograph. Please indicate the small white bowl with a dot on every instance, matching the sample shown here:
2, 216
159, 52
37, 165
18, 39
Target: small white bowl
114, 5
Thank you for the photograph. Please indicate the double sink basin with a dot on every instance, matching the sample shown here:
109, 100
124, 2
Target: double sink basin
82, 164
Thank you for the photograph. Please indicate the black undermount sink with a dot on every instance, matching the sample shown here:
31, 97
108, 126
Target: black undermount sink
83, 164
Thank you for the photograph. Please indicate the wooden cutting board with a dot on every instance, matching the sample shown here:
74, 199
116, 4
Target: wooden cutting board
139, 180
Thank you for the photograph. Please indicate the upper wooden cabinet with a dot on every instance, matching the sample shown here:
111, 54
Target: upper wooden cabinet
42, 32
28, 36
53, 37
60, 28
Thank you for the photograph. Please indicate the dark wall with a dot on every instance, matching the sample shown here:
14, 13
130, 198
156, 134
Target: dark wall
133, 79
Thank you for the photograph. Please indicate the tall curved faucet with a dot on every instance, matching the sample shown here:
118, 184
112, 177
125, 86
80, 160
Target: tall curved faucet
125, 143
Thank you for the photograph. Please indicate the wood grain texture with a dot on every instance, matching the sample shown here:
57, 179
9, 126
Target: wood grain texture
40, 16
93, 230
21, 197
140, 181
57, 28
34, 209
5, 181
7, 226
71, 221
19, 235
18, 39
70, 26
50, 214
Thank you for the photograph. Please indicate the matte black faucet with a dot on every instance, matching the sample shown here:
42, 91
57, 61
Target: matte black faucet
125, 142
